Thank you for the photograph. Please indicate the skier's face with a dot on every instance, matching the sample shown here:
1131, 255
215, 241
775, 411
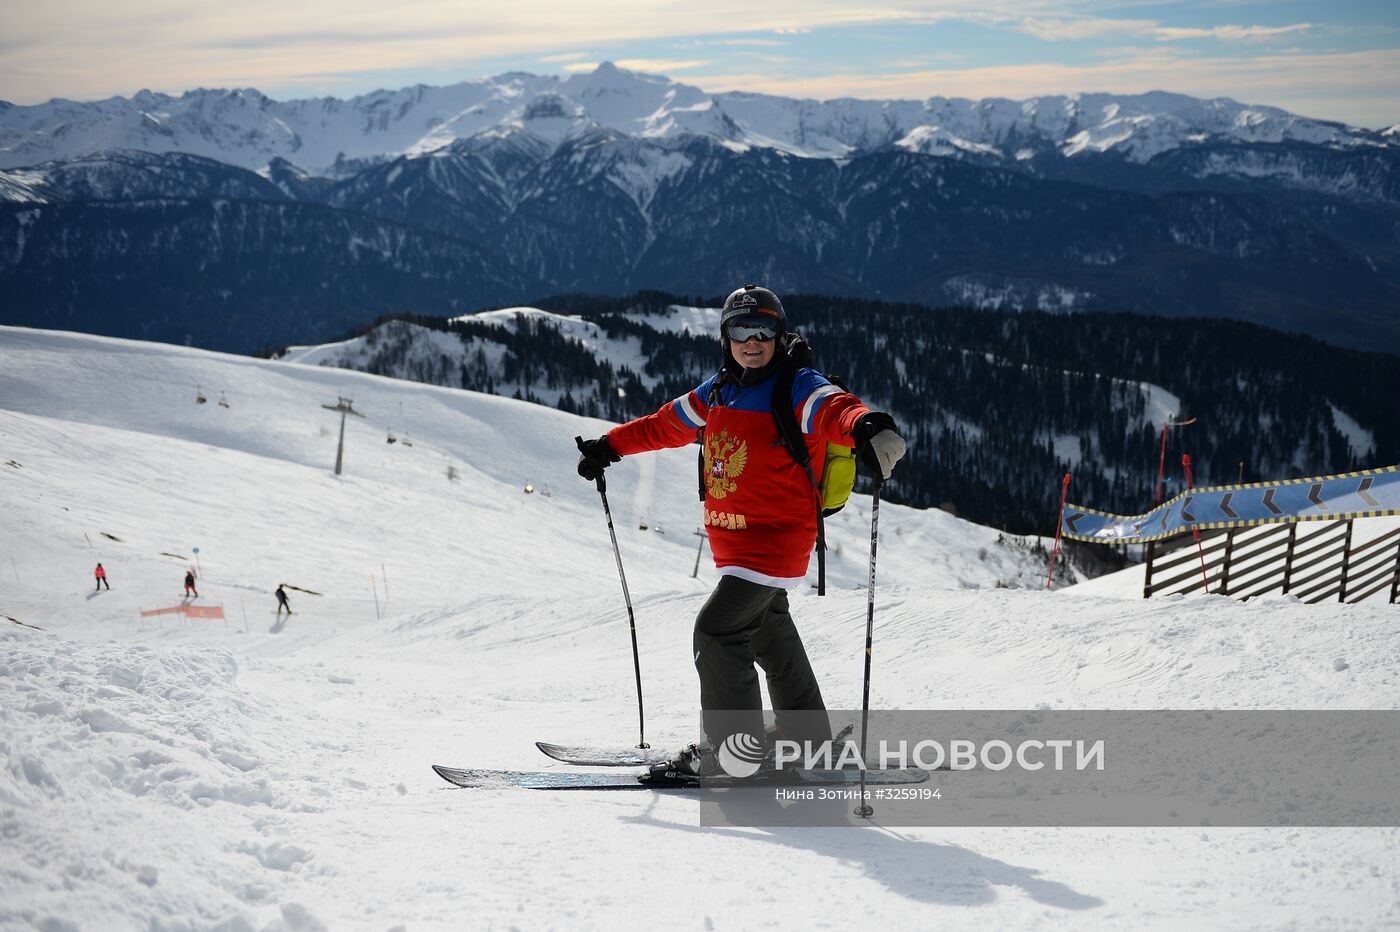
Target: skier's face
752, 353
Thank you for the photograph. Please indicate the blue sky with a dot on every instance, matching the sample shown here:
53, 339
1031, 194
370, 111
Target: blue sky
1338, 60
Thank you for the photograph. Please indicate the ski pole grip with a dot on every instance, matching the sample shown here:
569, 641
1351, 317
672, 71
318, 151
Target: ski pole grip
602, 483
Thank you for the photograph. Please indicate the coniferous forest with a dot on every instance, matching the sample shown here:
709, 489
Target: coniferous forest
996, 406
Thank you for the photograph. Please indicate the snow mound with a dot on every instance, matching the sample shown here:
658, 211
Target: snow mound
122, 765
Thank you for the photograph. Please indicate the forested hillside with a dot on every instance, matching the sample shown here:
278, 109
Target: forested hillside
997, 406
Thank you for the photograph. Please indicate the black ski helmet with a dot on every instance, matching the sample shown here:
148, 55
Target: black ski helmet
752, 299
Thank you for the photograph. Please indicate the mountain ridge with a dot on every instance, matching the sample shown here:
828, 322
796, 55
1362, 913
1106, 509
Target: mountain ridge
606, 213
335, 137
613, 182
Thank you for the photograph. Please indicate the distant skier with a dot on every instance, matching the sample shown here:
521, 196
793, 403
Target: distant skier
189, 585
760, 512
282, 601
101, 575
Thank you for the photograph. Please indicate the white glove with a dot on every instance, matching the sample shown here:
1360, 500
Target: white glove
887, 447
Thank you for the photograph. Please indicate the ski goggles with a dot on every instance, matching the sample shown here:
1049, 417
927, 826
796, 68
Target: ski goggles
741, 329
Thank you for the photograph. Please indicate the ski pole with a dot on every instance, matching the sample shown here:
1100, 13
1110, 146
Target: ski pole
865, 810
1064, 493
627, 597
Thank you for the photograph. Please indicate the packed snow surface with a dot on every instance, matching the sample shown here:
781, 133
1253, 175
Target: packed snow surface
263, 773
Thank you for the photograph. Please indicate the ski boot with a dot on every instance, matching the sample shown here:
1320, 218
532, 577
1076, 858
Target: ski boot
686, 767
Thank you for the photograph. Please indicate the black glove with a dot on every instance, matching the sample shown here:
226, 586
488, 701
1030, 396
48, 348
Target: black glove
594, 456
878, 443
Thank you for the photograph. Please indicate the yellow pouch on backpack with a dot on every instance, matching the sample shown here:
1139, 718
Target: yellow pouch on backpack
838, 477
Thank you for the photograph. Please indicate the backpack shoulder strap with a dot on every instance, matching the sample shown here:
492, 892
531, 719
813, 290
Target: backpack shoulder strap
716, 387
799, 355
788, 430
714, 394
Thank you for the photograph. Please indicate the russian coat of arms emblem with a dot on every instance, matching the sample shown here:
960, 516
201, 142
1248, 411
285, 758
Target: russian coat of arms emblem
725, 459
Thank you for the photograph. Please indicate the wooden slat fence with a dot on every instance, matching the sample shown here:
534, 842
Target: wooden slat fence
1315, 561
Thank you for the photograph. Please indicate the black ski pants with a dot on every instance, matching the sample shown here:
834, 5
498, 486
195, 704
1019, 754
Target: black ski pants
743, 623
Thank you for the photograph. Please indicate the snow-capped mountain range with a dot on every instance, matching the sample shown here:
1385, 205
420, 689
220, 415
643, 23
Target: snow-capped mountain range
232, 221
333, 137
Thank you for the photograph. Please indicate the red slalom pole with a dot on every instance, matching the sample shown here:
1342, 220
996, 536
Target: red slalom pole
1059, 526
1161, 463
1162, 455
1195, 534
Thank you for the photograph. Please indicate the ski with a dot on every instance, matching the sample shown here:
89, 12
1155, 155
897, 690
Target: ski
602, 757
584, 756
565, 780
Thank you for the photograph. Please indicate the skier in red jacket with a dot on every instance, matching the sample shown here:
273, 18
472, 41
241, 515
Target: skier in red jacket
101, 576
760, 515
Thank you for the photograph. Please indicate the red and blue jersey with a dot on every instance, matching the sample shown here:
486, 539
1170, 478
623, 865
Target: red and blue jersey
760, 506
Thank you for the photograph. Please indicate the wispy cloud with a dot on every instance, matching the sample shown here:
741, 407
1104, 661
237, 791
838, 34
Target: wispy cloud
1091, 28
701, 43
889, 48
1230, 33
660, 65
923, 62
87, 48
1354, 87
1078, 30
664, 66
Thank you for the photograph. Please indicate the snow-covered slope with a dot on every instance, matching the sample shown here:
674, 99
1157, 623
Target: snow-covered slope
266, 775
330, 136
